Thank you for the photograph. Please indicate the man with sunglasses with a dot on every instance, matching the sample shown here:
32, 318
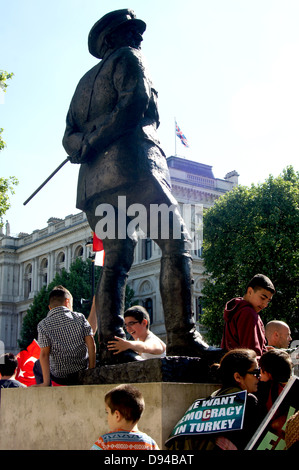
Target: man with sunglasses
146, 344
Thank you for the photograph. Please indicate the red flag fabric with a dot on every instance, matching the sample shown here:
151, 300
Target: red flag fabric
98, 247
26, 360
97, 244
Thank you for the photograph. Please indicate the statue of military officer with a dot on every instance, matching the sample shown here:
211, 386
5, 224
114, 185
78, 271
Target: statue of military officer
111, 131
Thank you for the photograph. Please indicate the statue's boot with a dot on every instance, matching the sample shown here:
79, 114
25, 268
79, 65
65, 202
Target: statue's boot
108, 358
109, 301
176, 291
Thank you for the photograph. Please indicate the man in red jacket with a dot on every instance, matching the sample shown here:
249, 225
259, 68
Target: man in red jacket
243, 326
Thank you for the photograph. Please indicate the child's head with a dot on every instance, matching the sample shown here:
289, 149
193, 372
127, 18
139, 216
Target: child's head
124, 403
60, 296
260, 281
8, 365
275, 365
137, 322
139, 313
259, 292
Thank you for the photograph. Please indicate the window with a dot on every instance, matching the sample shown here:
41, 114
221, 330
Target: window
44, 272
28, 280
199, 309
79, 251
60, 262
146, 248
148, 305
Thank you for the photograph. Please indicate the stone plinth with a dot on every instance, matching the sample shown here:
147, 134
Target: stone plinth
72, 418
168, 369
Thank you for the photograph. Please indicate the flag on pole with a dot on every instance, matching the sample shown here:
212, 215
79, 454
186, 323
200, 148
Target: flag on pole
26, 361
99, 258
98, 248
97, 244
181, 136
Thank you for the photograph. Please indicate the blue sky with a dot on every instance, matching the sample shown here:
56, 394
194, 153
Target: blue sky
228, 70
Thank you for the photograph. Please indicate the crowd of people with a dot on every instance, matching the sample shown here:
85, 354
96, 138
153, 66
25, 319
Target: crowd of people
255, 358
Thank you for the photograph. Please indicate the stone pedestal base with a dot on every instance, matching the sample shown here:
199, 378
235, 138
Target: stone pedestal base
72, 418
169, 369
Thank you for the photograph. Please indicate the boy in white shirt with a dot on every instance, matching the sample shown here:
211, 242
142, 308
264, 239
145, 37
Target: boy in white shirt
145, 343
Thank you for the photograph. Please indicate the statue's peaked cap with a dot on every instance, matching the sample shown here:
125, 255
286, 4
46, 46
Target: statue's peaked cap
109, 23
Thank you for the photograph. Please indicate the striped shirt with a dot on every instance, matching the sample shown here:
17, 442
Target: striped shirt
65, 331
125, 440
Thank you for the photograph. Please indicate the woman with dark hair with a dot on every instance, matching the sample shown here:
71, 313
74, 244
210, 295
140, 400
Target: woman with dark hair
276, 369
238, 370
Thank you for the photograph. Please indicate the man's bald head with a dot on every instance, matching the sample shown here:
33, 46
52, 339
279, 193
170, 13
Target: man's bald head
278, 334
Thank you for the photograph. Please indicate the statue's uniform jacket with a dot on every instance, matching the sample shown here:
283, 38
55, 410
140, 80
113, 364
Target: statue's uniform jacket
111, 126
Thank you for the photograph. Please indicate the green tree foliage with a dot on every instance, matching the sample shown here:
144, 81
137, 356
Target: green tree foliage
6, 189
79, 282
249, 231
129, 298
2, 143
6, 184
4, 76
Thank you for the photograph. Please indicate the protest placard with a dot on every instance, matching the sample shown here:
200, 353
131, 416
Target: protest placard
211, 415
270, 435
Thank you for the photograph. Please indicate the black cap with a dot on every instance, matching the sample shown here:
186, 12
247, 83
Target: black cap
108, 23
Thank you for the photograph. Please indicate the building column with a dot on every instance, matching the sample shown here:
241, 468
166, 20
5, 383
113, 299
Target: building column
68, 257
51, 266
21, 281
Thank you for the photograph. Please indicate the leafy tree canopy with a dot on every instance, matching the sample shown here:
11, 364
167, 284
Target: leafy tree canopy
249, 231
79, 282
6, 184
4, 76
6, 189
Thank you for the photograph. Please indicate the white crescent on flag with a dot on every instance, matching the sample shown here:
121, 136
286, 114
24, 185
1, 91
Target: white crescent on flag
26, 360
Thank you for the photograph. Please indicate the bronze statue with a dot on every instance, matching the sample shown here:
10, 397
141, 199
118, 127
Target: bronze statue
111, 130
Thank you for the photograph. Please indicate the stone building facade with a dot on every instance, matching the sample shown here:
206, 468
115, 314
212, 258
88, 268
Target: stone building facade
30, 261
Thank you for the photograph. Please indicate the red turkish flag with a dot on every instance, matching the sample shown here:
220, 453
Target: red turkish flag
26, 360
97, 244
98, 247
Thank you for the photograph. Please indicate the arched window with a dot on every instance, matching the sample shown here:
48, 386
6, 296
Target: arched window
44, 272
146, 248
145, 294
78, 252
60, 262
148, 305
199, 309
28, 280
